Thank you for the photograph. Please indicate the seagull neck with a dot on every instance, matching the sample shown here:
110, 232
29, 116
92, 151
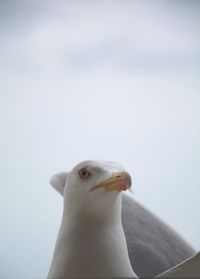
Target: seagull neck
98, 214
90, 246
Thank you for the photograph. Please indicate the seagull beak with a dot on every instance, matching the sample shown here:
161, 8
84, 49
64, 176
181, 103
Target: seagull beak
120, 181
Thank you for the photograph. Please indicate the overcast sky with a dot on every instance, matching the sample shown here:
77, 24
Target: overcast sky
111, 80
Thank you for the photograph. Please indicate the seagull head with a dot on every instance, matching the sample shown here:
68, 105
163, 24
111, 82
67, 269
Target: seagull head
92, 187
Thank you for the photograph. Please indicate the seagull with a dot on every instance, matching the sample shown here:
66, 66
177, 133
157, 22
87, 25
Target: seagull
107, 234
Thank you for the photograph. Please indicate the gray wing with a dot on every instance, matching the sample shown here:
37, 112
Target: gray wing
188, 269
152, 245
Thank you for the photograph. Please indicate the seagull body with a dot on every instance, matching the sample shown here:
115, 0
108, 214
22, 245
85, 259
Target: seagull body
91, 241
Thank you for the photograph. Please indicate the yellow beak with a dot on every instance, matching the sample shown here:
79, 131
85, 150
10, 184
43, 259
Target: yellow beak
120, 181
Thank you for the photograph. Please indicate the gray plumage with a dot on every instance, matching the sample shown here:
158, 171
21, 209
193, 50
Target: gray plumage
152, 245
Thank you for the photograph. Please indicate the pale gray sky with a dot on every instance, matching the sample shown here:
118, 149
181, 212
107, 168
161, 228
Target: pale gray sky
112, 80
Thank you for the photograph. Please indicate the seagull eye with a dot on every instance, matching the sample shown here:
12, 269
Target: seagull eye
84, 173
